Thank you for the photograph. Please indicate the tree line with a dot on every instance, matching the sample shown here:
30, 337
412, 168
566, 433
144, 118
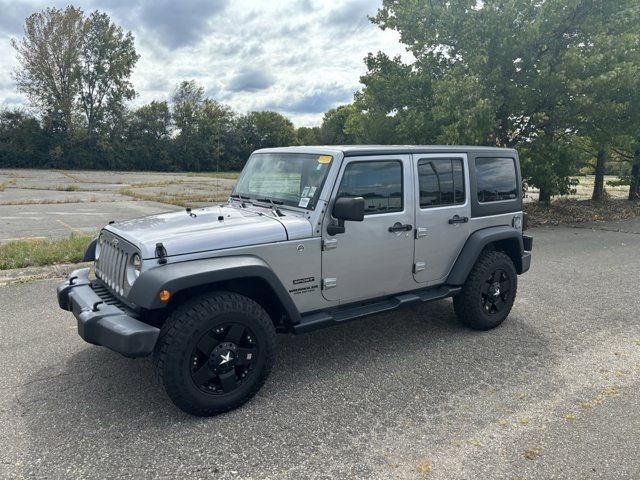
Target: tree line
557, 79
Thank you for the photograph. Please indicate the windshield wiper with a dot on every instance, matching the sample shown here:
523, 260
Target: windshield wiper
273, 204
242, 198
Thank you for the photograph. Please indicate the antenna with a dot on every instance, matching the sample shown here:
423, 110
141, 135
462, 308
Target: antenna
218, 164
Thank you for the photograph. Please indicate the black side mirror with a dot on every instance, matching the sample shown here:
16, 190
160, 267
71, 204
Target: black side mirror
346, 208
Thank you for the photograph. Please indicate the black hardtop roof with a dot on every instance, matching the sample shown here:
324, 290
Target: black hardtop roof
357, 150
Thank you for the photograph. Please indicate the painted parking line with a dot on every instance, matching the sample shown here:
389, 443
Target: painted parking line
73, 230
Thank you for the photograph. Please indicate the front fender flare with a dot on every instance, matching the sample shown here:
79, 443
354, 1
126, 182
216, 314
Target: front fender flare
176, 277
474, 246
90, 252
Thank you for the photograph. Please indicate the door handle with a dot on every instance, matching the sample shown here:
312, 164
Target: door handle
458, 219
399, 227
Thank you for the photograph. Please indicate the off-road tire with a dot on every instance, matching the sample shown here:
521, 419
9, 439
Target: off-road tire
469, 304
181, 333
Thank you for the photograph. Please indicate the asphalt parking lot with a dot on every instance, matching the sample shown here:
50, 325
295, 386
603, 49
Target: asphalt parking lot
553, 393
57, 203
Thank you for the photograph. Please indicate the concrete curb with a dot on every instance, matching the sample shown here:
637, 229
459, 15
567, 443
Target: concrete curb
22, 275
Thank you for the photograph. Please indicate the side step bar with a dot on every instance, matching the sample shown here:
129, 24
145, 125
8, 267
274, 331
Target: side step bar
315, 321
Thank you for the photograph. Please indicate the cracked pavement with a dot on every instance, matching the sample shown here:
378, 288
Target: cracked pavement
553, 393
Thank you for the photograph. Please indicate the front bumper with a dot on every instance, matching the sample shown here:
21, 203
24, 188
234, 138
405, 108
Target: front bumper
103, 324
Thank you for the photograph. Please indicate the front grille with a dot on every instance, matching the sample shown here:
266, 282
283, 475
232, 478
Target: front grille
109, 298
111, 265
105, 294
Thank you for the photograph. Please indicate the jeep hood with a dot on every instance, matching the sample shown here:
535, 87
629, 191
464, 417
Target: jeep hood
210, 228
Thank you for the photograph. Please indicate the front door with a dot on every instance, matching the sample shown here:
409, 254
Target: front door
442, 214
373, 257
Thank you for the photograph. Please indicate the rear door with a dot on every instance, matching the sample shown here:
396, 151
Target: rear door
442, 213
373, 257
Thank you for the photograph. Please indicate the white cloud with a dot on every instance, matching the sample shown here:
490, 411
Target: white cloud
296, 57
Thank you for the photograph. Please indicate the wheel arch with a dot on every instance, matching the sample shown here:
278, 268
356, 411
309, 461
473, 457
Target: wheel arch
501, 238
246, 275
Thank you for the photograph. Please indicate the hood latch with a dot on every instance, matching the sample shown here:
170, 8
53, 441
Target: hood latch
161, 253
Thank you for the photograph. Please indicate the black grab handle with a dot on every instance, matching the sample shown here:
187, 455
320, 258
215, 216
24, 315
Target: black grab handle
458, 219
399, 227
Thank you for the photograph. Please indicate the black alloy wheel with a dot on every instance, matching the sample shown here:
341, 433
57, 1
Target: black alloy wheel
495, 292
223, 358
489, 291
215, 352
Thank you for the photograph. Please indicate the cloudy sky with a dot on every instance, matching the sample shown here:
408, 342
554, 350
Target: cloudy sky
298, 57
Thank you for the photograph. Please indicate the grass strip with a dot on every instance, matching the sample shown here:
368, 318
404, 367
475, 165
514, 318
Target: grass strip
39, 252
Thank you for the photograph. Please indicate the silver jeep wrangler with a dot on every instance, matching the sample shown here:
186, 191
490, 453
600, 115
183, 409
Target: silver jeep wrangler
310, 237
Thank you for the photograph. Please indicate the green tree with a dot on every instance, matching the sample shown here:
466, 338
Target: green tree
107, 59
219, 139
23, 142
187, 100
48, 57
498, 72
602, 71
333, 129
265, 129
148, 139
153, 120
308, 135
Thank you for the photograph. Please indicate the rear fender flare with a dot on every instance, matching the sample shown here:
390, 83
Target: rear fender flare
476, 243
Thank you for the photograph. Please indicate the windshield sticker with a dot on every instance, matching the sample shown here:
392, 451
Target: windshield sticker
304, 202
305, 192
325, 159
312, 191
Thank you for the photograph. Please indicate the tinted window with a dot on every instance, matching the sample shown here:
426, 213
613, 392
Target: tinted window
441, 181
496, 179
379, 183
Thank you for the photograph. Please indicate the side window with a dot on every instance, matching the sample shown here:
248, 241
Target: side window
496, 179
378, 182
441, 181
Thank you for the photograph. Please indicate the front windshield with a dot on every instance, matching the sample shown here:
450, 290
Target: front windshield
293, 179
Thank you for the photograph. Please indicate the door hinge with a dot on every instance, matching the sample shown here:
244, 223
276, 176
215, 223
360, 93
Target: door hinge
419, 267
421, 232
328, 283
329, 244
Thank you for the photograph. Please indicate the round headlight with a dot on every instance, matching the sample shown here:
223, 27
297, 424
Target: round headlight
133, 269
137, 263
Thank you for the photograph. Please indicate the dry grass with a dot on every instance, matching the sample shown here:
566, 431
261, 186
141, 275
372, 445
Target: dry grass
424, 467
159, 183
53, 201
179, 199
531, 453
1, 187
69, 175
68, 188
39, 252
227, 175
574, 211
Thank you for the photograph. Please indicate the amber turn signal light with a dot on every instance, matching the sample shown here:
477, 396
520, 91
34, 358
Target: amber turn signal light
164, 295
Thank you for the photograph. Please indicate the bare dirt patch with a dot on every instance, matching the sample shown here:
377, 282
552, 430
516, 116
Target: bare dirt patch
571, 210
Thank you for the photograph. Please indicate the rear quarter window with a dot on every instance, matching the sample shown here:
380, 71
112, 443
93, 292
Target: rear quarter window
496, 179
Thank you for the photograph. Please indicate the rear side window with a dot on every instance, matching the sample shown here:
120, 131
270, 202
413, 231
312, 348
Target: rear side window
378, 182
441, 182
496, 179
